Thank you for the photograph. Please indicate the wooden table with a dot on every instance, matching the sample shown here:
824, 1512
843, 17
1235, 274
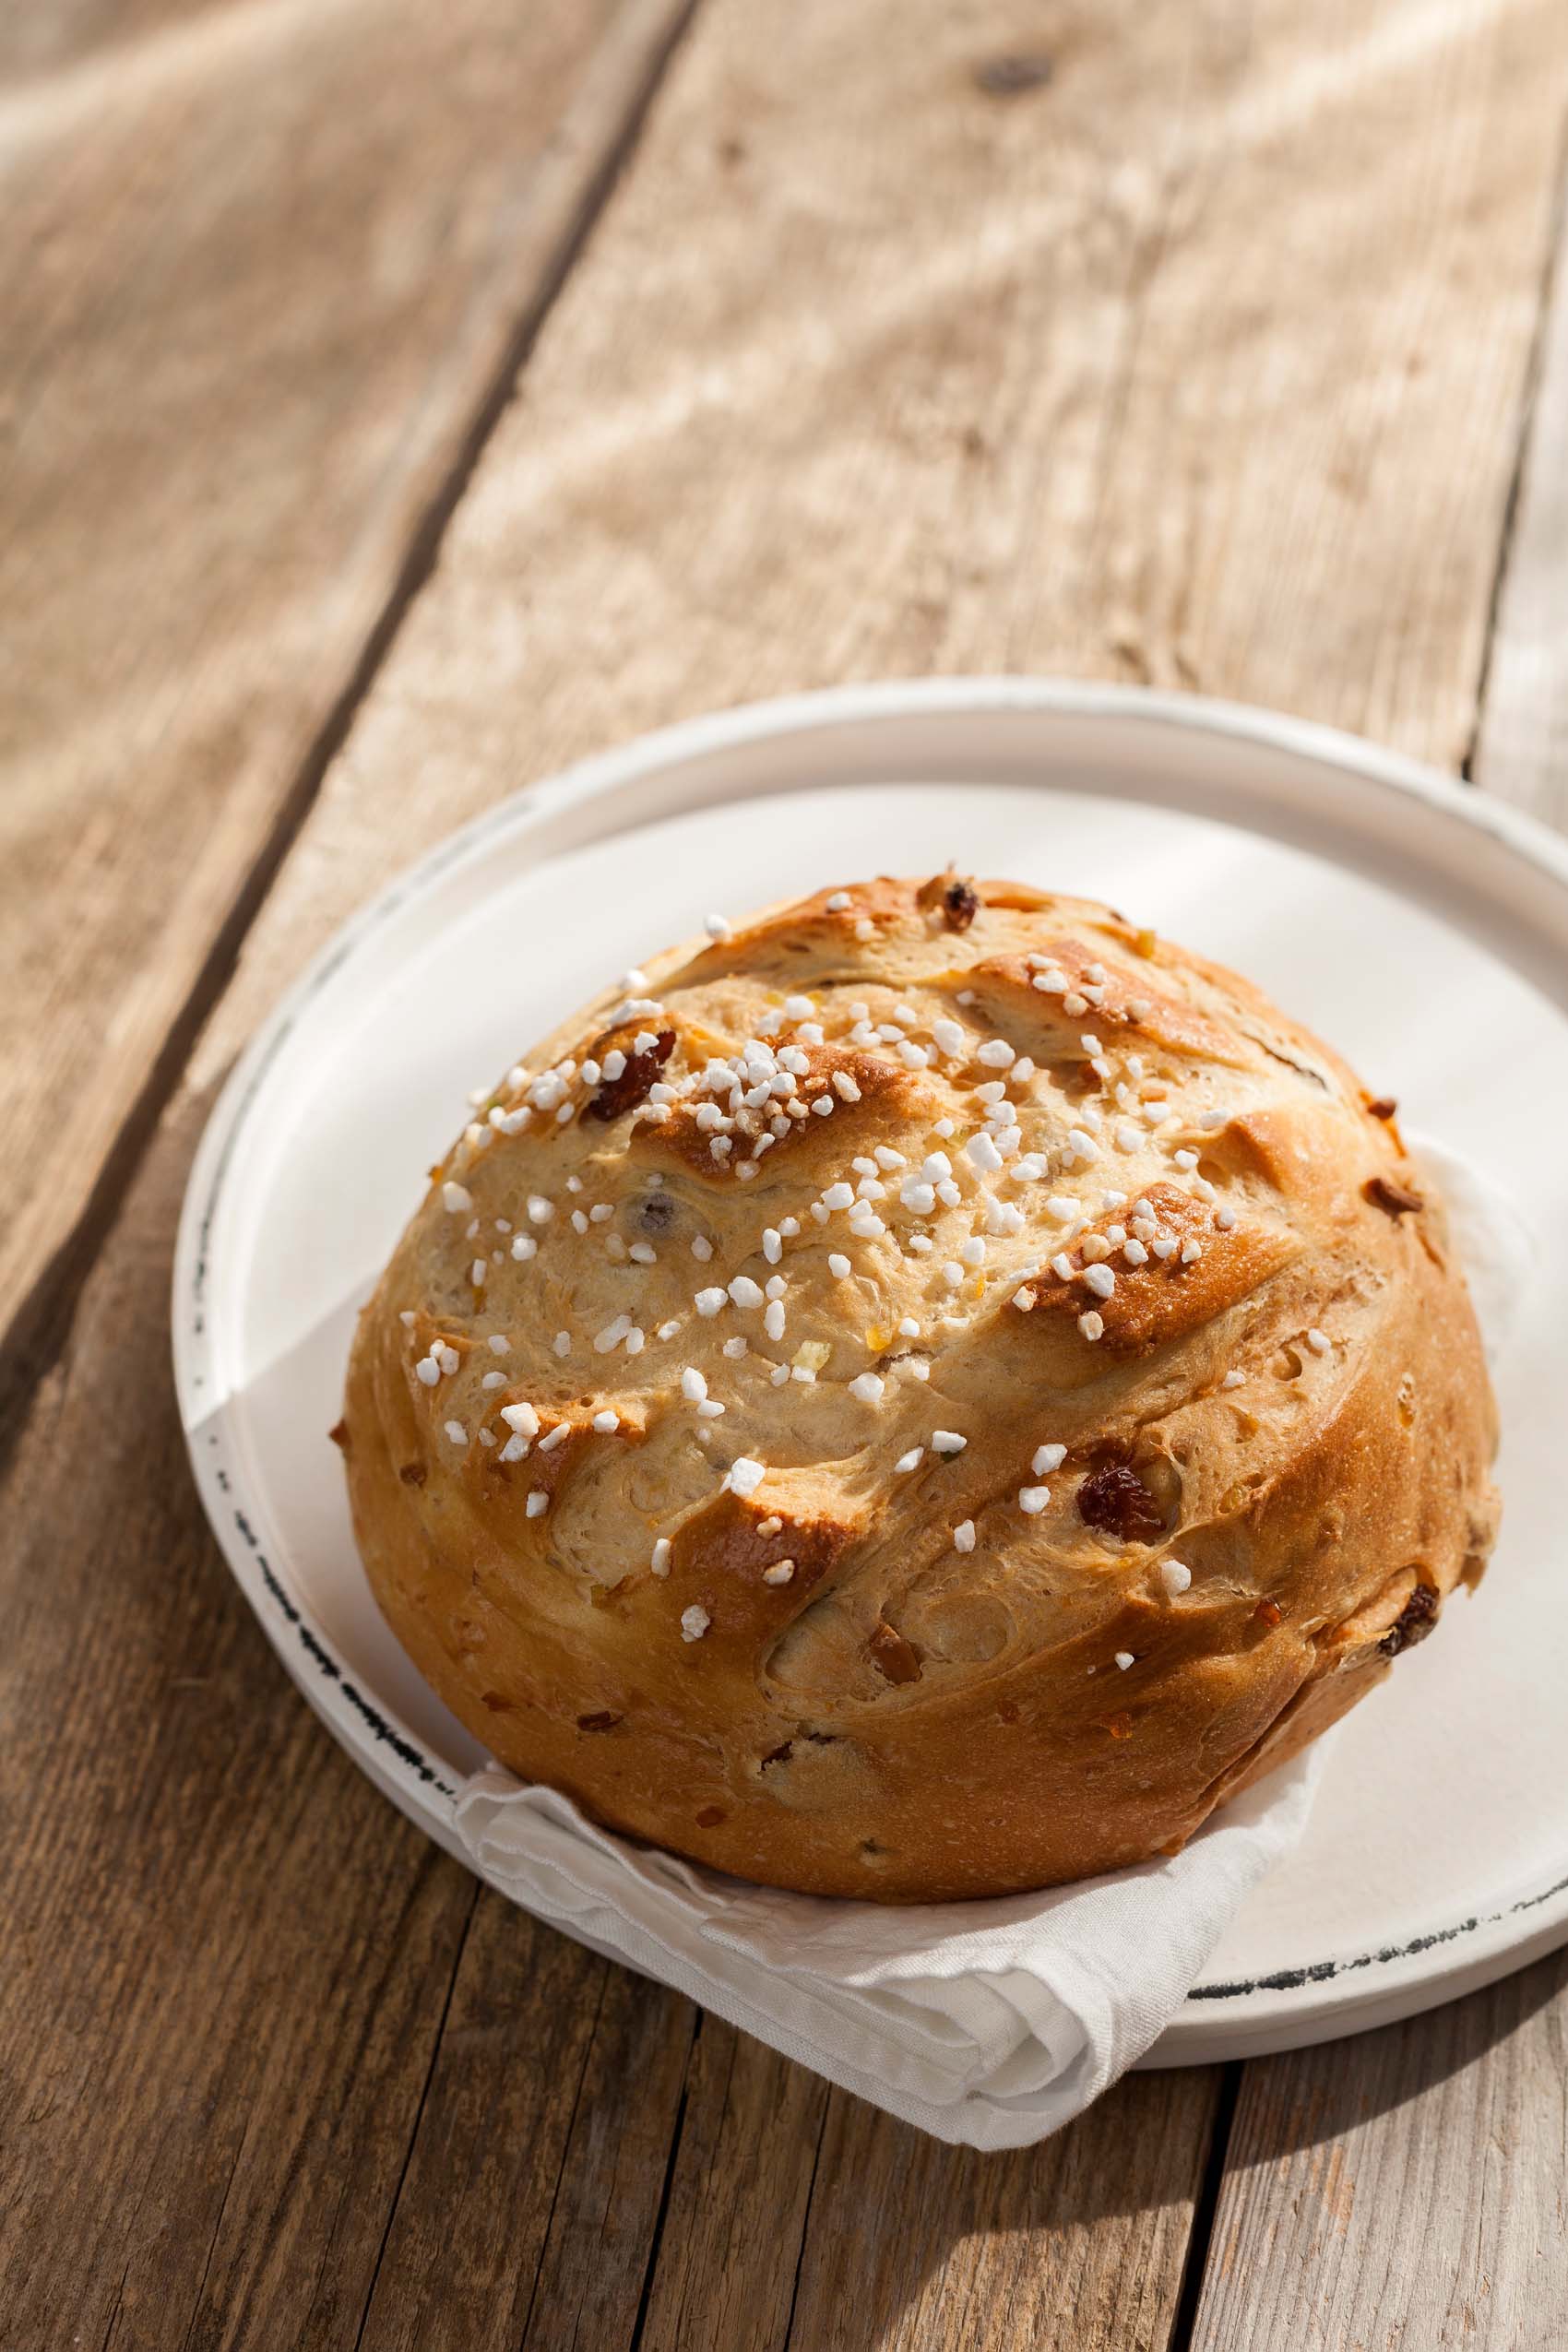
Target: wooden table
396, 401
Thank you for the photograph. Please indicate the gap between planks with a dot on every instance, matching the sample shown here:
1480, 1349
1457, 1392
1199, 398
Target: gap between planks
657, 2240
1552, 305
420, 2104
1295, 2233
576, 175
801, 2252
1206, 2209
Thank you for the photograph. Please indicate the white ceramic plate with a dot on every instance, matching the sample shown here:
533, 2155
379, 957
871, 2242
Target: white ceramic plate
1422, 928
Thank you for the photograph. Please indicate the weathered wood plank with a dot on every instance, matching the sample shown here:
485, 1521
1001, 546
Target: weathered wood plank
265, 266
527, 2209
1143, 373
801, 2217
605, 2218
1076, 2246
261, 2080
1404, 2190
217, 2180
1024, 391
57, 33
1025, 394
751, 2129
1522, 743
226, 1958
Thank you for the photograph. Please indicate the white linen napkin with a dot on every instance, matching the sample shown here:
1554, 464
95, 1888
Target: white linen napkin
989, 2023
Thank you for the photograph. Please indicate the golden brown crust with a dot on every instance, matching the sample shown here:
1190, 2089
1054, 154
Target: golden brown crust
1228, 1329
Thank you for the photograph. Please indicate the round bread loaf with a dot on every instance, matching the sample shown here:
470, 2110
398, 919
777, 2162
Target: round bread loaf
924, 1395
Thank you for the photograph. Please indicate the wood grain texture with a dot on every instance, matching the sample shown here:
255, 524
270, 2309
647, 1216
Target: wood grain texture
40, 40
271, 2071
741, 2182
226, 1958
265, 262
1024, 393
883, 359
526, 2213
605, 2214
1402, 2191
1522, 743
1141, 374
1075, 2246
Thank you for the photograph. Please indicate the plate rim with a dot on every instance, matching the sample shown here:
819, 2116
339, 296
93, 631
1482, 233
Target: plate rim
1281, 2010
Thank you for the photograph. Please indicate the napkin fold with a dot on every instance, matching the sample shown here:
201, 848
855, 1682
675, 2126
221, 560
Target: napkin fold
989, 2023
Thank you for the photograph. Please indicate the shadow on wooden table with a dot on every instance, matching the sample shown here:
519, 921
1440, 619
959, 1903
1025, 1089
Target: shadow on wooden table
803, 2216
1305, 2098
905, 2234
907, 2241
